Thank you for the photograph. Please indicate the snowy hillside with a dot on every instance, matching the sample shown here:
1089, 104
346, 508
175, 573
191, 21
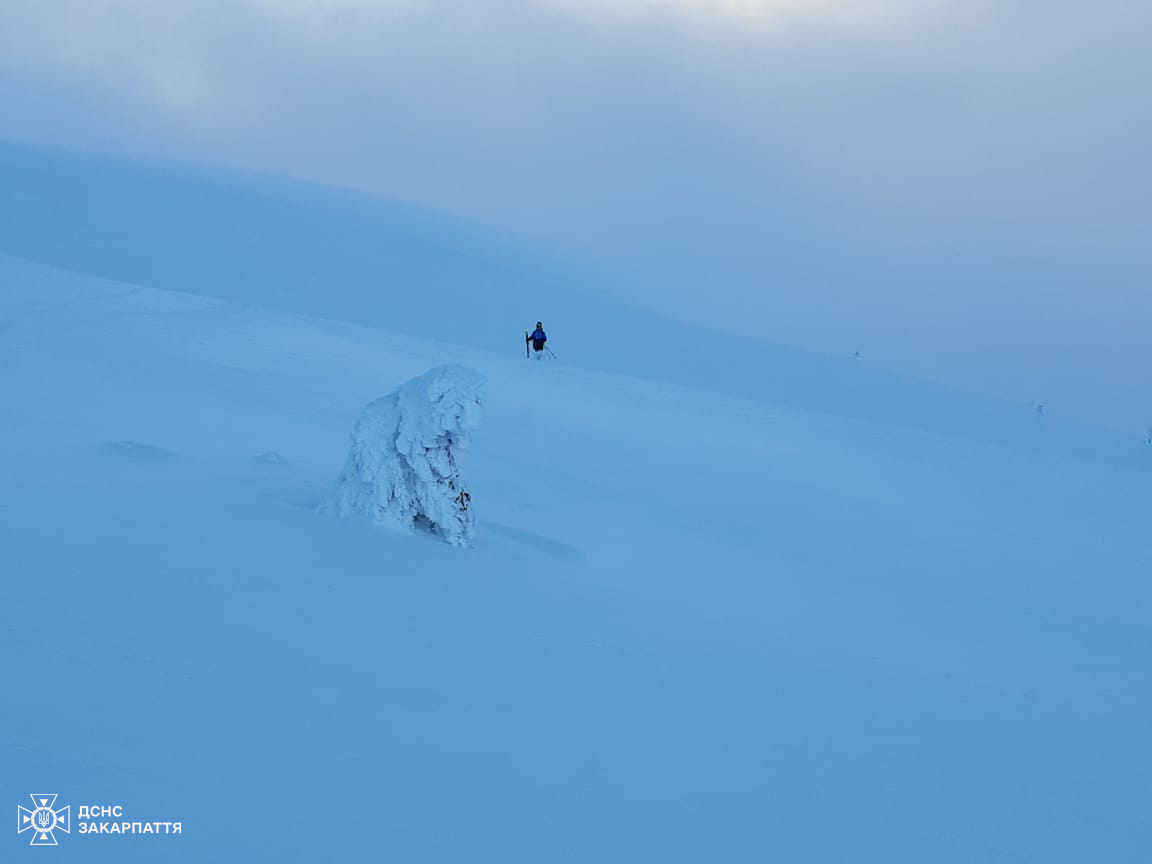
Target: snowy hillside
694, 626
278, 243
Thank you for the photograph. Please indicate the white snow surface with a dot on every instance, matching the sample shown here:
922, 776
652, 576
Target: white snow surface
404, 466
692, 626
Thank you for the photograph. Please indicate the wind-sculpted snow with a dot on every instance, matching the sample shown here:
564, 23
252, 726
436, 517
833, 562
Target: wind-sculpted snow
403, 469
691, 627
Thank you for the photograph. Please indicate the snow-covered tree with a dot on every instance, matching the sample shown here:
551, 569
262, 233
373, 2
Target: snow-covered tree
403, 468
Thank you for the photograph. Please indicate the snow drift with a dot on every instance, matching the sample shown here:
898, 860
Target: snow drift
403, 469
937, 646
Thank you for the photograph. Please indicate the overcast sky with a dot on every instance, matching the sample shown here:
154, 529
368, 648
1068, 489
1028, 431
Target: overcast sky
958, 189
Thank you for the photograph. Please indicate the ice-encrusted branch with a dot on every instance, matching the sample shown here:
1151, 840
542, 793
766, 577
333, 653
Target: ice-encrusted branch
403, 468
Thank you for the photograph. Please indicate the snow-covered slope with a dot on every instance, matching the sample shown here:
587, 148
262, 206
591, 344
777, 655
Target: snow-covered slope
693, 627
277, 243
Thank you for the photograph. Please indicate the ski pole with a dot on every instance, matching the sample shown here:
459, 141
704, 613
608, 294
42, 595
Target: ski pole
551, 353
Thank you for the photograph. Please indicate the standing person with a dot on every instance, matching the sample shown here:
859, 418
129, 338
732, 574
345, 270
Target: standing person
538, 338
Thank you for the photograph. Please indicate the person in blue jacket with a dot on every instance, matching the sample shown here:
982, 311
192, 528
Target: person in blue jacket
537, 337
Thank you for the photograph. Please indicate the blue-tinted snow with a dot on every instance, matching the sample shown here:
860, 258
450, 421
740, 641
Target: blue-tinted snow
698, 623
